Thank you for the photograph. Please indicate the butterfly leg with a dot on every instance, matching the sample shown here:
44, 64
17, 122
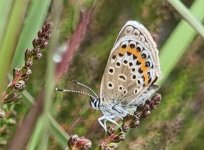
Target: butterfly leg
101, 123
113, 121
105, 118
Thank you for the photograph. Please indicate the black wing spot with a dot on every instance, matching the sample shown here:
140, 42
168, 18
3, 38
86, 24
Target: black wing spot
144, 55
124, 46
128, 53
122, 77
134, 57
114, 57
120, 54
120, 88
110, 85
147, 64
155, 80
138, 81
133, 77
111, 70
138, 63
132, 45
139, 49
130, 64
140, 71
135, 91
125, 61
118, 64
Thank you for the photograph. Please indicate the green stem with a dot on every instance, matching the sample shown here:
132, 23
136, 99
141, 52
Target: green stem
5, 12
188, 16
60, 135
179, 40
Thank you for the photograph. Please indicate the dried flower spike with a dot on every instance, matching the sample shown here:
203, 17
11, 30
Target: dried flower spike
78, 143
20, 75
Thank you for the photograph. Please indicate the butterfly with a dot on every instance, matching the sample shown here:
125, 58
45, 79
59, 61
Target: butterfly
129, 76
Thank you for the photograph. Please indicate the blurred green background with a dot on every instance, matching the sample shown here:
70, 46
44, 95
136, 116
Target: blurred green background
177, 123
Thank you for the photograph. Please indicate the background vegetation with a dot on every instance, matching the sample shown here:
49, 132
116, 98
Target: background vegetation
83, 33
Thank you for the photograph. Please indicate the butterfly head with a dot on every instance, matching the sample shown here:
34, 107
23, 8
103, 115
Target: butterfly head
95, 102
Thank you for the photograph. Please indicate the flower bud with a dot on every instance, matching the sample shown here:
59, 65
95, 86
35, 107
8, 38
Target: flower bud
78, 143
38, 56
20, 85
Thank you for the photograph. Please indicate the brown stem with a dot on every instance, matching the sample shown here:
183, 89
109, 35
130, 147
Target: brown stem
24, 130
73, 44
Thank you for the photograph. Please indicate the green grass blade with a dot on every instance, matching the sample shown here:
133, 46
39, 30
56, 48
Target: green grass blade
60, 135
50, 84
179, 40
50, 75
35, 137
5, 12
8, 46
188, 16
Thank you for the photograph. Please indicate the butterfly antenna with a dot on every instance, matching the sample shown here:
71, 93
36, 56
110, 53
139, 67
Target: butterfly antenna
79, 83
73, 91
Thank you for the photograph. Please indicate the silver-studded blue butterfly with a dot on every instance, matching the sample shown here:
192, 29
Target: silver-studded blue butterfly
128, 80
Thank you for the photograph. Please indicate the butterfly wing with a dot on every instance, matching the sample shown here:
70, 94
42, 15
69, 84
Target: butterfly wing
133, 65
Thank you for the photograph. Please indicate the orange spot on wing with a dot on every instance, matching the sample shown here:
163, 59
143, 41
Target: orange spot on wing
122, 50
139, 58
146, 78
142, 61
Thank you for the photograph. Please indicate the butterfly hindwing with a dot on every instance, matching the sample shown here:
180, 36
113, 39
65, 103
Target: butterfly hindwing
132, 65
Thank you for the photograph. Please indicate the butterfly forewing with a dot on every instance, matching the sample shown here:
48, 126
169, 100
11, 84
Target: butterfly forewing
132, 66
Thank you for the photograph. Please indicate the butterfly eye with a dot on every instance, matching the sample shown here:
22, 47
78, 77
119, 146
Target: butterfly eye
129, 29
142, 38
132, 44
139, 47
136, 32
